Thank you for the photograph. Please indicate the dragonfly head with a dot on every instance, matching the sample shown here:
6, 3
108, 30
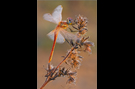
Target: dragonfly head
70, 21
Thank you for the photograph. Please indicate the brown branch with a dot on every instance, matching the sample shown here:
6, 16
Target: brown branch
45, 84
64, 59
48, 79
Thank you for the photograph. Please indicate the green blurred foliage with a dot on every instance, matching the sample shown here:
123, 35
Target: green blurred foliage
70, 9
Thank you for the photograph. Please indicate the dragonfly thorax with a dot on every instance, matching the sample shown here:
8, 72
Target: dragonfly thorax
63, 24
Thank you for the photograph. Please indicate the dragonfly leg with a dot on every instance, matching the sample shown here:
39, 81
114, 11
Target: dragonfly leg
67, 41
74, 27
71, 42
72, 30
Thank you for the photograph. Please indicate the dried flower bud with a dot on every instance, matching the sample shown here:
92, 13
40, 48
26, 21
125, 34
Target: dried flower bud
66, 72
76, 63
71, 80
81, 23
80, 57
88, 43
72, 73
88, 49
72, 55
83, 39
83, 31
61, 71
49, 70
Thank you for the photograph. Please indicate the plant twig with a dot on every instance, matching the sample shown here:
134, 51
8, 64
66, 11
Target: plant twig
48, 79
45, 84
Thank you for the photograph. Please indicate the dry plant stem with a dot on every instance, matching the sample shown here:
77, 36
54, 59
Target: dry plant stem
64, 59
48, 78
45, 84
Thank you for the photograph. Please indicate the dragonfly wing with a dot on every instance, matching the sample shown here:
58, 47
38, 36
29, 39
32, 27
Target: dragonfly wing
57, 13
60, 38
49, 17
51, 35
68, 35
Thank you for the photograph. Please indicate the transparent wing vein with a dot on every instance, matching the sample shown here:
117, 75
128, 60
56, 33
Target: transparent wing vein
57, 13
49, 17
60, 38
68, 35
56, 16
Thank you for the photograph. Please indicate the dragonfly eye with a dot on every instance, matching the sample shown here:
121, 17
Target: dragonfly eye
69, 20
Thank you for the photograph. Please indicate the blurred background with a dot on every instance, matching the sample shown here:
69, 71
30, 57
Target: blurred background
87, 73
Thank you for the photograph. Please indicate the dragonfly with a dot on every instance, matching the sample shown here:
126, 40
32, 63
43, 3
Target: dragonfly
59, 34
